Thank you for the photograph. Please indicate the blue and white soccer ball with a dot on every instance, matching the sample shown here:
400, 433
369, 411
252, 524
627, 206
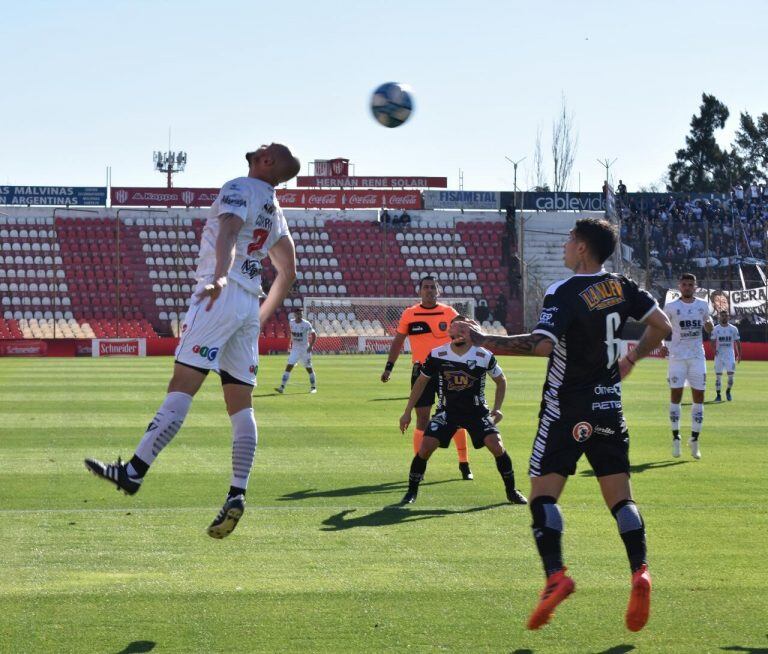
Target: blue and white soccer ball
392, 104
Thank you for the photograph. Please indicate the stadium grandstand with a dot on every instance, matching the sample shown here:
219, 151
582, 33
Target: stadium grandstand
128, 272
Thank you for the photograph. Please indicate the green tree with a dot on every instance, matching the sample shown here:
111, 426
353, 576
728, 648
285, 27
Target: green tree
702, 165
751, 144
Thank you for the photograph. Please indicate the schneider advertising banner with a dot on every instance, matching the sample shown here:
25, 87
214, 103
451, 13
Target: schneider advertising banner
54, 195
483, 200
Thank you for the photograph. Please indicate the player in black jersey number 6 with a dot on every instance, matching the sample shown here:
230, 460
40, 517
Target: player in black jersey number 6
579, 329
459, 368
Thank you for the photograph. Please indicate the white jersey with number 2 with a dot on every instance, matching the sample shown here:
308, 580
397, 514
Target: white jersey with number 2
687, 320
255, 202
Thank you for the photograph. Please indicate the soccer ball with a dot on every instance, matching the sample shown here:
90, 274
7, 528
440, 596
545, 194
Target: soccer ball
392, 104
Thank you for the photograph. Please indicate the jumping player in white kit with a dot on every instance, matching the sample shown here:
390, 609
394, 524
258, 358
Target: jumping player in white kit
726, 338
303, 338
688, 316
221, 329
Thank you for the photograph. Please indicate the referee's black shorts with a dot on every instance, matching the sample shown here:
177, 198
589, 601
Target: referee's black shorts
428, 396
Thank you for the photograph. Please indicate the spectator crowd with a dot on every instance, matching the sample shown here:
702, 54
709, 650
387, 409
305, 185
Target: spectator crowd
688, 233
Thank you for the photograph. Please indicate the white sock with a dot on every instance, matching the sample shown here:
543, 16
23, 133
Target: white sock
730, 380
284, 381
164, 426
244, 439
718, 381
312, 379
697, 417
674, 416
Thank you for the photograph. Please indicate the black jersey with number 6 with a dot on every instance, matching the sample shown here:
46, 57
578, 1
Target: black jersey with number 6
585, 315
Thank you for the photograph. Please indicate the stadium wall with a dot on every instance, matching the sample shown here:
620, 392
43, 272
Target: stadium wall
70, 347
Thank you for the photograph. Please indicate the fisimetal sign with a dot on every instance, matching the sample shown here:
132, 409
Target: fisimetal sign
414, 181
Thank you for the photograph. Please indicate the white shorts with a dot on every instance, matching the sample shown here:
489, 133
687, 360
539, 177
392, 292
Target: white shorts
694, 371
300, 355
725, 362
226, 338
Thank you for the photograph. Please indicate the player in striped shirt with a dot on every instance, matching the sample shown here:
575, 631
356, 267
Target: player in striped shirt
425, 325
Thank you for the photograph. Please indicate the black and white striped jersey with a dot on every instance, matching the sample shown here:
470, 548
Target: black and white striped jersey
460, 378
585, 315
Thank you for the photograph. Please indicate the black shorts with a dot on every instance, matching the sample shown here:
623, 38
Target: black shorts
428, 396
560, 443
443, 426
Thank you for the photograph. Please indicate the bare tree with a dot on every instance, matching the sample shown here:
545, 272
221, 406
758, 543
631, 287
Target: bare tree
539, 176
565, 141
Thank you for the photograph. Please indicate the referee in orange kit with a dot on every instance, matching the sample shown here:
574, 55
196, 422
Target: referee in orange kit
426, 326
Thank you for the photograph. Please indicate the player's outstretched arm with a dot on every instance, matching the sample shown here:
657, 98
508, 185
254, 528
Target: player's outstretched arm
283, 257
229, 228
394, 352
416, 391
498, 400
657, 328
526, 344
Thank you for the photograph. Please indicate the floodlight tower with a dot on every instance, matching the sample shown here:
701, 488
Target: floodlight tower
169, 163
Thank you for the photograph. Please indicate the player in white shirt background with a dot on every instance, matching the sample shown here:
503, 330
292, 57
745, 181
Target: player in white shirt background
688, 316
303, 338
221, 328
726, 339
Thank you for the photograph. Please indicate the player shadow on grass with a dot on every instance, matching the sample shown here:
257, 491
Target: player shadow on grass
748, 650
637, 468
138, 647
394, 515
376, 489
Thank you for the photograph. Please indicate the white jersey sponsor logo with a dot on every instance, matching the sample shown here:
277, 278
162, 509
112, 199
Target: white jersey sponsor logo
253, 201
300, 334
687, 320
724, 337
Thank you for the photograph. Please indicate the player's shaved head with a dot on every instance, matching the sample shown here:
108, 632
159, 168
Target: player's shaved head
274, 163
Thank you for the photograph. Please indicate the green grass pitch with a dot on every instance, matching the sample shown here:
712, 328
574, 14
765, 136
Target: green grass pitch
319, 563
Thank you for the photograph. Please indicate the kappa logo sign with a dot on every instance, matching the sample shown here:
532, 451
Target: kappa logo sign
582, 431
206, 352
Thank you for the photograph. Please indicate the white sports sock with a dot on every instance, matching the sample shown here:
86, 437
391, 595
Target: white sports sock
697, 417
244, 439
674, 416
718, 381
730, 380
164, 426
312, 379
284, 381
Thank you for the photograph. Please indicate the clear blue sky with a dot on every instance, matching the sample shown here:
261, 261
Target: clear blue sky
90, 84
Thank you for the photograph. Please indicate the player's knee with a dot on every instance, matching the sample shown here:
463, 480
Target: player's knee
428, 446
288, 368
494, 444
546, 513
627, 516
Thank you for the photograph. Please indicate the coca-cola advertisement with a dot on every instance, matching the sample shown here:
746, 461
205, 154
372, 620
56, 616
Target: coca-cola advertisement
123, 196
353, 199
344, 181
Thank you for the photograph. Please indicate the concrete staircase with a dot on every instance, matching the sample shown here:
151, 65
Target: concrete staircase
544, 236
